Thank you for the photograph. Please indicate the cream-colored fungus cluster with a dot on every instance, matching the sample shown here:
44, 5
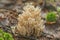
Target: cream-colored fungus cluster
30, 22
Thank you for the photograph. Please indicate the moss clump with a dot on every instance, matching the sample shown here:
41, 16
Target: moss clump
1, 38
51, 17
58, 9
5, 36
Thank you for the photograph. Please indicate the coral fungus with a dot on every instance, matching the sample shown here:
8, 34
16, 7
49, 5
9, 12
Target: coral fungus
30, 22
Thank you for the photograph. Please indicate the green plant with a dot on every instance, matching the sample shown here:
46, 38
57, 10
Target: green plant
58, 9
51, 17
5, 36
1, 38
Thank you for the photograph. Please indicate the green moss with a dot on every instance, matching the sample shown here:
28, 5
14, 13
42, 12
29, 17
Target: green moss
51, 17
1, 33
8, 36
1, 38
58, 9
5, 36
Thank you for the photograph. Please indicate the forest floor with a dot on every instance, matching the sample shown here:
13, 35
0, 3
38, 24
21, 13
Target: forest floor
8, 19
